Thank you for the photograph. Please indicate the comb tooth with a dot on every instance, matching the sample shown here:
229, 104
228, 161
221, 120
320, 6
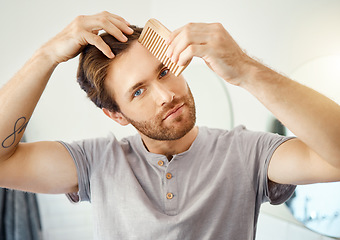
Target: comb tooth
162, 46
164, 62
151, 39
167, 62
174, 67
160, 50
146, 39
146, 36
155, 44
171, 67
158, 47
163, 54
176, 73
176, 70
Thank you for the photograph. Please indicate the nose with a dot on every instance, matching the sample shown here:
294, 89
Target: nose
163, 94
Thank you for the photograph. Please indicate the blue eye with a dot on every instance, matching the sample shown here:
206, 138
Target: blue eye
138, 92
163, 73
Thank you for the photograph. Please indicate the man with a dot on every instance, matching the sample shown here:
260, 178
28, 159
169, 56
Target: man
173, 180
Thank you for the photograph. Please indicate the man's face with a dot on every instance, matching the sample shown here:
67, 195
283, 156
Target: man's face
156, 102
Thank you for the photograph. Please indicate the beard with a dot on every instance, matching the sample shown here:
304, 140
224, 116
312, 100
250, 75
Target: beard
155, 128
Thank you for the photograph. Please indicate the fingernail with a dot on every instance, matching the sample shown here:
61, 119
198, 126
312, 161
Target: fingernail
131, 30
124, 38
111, 55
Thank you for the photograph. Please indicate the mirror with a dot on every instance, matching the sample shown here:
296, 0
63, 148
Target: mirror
317, 206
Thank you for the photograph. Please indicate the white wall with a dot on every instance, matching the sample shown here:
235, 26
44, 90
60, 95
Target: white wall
283, 34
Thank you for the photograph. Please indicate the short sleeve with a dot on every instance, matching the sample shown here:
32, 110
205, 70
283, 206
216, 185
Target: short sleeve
258, 149
77, 151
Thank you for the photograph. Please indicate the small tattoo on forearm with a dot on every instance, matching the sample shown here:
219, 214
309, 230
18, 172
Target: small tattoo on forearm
19, 126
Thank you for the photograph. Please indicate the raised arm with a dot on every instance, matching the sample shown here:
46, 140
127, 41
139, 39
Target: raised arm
45, 166
312, 117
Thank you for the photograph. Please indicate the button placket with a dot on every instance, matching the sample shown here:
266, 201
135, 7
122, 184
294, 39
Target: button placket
168, 176
170, 187
160, 163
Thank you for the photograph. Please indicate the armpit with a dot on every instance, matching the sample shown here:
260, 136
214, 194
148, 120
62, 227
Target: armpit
279, 193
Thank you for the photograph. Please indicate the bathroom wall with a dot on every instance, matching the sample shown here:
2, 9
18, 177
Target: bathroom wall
283, 34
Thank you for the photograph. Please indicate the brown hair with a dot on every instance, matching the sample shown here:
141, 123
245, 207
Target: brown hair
93, 66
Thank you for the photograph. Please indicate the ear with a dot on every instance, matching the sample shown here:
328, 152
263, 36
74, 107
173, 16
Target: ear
116, 116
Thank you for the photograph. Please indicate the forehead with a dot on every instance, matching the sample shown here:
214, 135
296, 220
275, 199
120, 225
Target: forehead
134, 65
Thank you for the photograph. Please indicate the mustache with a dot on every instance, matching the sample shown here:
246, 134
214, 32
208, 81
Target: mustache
169, 106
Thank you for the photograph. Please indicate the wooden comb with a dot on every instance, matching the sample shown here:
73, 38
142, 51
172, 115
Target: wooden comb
153, 38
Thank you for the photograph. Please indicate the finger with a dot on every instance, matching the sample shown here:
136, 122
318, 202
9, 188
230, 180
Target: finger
115, 31
184, 40
121, 25
192, 51
173, 35
170, 40
116, 27
117, 17
110, 23
192, 33
194, 27
99, 43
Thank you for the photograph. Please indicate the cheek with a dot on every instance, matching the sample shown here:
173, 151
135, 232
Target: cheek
141, 111
178, 85
182, 87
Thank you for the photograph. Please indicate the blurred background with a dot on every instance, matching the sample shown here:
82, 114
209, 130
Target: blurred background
289, 36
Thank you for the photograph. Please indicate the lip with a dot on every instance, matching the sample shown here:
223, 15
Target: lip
174, 110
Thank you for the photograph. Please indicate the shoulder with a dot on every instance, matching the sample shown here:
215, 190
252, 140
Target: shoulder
223, 134
100, 145
242, 137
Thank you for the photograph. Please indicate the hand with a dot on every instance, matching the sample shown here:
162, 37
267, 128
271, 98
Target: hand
213, 44
83, 31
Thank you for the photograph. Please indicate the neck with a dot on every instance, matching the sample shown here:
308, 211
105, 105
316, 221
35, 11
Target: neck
170, 148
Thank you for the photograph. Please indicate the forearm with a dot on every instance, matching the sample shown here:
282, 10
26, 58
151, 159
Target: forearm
311, 116
20, 95
18, 99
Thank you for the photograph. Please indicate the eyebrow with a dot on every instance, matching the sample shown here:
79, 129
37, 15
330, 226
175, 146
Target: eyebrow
140, 83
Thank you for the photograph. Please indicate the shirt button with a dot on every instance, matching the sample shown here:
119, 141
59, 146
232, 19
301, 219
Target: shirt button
160, 163
168, 175
169, 195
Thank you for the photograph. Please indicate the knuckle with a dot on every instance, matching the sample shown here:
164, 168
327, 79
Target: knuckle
77, 24
79, 19
105, 13
102, 20
192, 49
97, 38
216, 38
217, 26
190, 25
187, 32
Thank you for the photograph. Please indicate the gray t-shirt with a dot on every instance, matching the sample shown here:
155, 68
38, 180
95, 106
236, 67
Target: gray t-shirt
212, 191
